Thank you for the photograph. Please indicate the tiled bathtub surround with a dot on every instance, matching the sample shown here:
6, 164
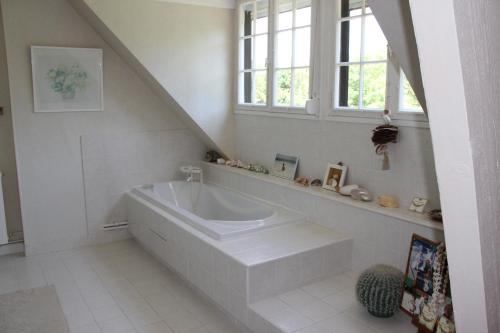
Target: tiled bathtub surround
249, 268
318, 143
377, 238
114, 163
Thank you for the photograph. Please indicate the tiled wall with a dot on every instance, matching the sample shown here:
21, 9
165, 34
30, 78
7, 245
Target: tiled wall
114, 163
377, 238
318, 143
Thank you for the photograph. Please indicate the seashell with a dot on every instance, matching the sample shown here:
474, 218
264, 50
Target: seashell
302, 181
258, 168
316, 182
366, 195
436, 215
212, 156
241, 165
388, 201
346, 190
221, 161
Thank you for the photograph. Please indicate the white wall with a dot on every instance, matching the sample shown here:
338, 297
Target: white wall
7, 155
477, 29
115, 162
48, 148
455, 142
186, 51
317, 143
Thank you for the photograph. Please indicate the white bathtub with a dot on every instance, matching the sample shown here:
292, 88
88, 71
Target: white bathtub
213, 210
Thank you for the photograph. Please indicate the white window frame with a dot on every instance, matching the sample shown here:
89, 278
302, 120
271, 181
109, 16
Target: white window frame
270, 108
323, 75
393, 87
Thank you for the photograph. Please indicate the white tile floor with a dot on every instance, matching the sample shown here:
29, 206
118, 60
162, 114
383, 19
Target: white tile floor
115, 288
327, 306
119, 288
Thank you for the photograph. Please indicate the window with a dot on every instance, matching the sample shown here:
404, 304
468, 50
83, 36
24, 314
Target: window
408, 102
275, 48
292, 53
253, 41
361, 59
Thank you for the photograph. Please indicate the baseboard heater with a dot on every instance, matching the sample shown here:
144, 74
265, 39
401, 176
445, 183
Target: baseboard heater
115, 225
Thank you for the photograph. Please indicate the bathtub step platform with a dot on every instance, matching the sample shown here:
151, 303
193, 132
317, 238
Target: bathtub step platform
288, 257
326, 306
317, 307
237, 272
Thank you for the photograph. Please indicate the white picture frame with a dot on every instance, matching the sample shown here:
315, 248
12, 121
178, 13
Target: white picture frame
334, 178
285, 166
67, 79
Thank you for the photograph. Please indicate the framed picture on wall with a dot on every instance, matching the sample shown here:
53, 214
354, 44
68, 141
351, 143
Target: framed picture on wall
67, 79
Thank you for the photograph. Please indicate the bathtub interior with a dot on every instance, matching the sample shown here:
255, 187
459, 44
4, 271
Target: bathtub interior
212, 203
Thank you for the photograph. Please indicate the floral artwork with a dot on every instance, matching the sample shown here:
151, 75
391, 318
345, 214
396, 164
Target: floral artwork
67, 79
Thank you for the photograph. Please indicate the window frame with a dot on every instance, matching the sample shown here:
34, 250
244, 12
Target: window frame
270, 107
393, 89
323, 76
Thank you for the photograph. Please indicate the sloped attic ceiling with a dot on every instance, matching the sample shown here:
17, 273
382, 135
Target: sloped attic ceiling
185, 55
394, 17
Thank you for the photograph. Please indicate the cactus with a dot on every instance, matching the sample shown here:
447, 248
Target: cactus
379, 289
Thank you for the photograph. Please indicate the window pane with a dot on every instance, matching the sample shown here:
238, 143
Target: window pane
284, 49
351, 7
246, 18
302, 47
409, 101
375, 42
283, 87
303, 13
285, 14
260, 52
247, 82
374, 81
260, 78
301, 87
350, 40
262, 17
348, 89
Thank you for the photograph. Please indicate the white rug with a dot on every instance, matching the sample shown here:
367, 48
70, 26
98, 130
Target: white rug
32, 311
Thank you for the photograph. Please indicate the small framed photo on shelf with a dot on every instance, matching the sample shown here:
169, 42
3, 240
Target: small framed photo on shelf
285, 166
334, 176
418, 205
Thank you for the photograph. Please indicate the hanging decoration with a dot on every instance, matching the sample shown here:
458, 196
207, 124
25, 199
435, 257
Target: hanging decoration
382, 136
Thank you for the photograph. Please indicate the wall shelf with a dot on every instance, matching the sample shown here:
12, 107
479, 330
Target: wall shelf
398, 213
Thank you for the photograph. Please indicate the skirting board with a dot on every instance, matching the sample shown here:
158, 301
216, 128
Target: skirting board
11, 248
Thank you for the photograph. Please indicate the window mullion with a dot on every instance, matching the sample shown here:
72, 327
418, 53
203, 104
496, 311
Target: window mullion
271, 28
362, 58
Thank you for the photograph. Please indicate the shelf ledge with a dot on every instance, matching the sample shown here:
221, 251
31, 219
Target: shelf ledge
398, 213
